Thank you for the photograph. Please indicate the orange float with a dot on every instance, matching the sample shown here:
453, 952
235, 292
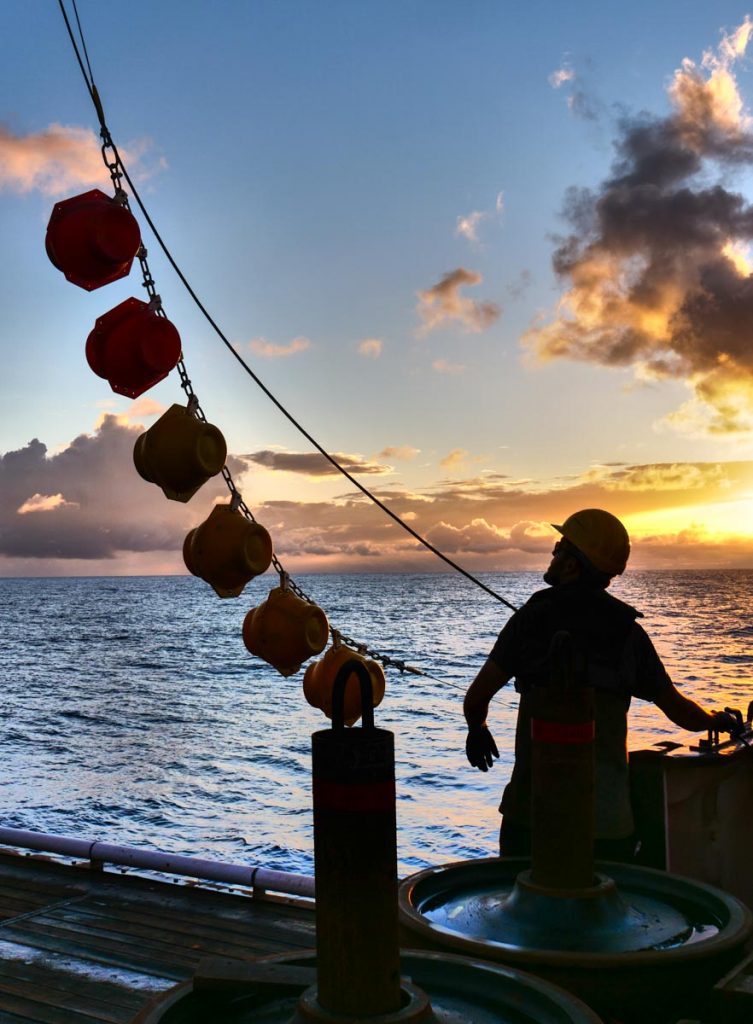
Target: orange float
227, 551
285, 631
319, 680
179, 453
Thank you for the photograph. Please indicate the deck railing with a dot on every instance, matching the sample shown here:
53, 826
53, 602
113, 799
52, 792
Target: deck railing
98, 854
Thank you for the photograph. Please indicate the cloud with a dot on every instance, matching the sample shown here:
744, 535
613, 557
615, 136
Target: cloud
443, 304
456, 456
269, 350
468, 226
444, 366
145, 406
315, 465
85, 511
654, 265
579, 102
662, 476
88, 503
403, 453
62, 158
44, 503
370, 348
480, 537
561, 75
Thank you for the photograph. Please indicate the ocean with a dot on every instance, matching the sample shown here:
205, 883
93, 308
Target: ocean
133, 713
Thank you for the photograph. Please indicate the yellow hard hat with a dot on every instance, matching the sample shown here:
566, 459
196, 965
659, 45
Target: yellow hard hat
600, 536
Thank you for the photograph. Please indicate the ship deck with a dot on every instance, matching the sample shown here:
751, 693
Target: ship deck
79, 946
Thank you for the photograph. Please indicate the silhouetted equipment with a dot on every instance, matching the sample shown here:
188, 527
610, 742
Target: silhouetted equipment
319, 681
132, 348
630, 941
92, 239
227, 550
358, 956
179, 453
285, 630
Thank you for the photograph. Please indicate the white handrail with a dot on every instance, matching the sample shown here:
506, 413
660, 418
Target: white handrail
158, 860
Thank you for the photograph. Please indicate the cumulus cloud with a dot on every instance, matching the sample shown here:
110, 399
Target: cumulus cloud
62, 158
85, 508
480, 537
443, 304
87, 502
370, 348
269, 350
315, 465
655, 263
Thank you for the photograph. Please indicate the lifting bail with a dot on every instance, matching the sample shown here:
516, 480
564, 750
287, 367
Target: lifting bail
133, 348
321, 678
93, 239
179, 453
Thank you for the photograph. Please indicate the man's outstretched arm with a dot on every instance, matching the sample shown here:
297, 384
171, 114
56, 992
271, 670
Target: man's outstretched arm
480, 748
688, 715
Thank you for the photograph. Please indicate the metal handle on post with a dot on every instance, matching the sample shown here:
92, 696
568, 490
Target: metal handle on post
338, 694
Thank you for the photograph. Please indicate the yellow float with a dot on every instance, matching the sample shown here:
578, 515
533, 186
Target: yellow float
285, 630
227, 551
179, 453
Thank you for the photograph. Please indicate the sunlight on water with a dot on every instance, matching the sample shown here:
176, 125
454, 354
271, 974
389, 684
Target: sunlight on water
133, 712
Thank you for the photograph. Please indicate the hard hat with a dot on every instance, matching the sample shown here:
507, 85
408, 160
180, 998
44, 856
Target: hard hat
600, 536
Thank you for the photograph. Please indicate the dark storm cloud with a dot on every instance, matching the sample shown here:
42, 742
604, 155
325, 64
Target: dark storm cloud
88, 502
654, 263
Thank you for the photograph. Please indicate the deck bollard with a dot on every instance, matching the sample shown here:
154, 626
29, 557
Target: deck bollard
562, 775
355, 857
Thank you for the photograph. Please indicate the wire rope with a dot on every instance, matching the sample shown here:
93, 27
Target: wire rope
251, 373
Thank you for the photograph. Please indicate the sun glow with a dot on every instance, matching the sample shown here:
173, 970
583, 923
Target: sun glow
713, 521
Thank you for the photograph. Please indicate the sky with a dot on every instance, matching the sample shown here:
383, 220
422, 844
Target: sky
494, 257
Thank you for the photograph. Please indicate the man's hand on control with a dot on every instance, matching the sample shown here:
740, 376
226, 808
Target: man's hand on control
480, 748
725, 721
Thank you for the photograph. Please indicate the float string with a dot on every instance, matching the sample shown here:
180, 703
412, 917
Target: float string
215, 327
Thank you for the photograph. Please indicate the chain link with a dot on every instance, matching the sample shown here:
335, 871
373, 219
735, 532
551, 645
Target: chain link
194, 408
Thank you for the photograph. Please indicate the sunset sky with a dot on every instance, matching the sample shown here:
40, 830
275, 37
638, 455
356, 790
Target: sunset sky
495, 257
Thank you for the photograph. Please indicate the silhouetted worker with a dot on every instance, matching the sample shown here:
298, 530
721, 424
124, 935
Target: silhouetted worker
619, 662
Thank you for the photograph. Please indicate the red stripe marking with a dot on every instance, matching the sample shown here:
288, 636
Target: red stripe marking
338, 796
562, 732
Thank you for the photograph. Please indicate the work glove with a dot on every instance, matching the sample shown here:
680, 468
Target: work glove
480, 748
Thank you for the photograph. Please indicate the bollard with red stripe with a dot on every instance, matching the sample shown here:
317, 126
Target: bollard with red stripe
562, 775
355, 851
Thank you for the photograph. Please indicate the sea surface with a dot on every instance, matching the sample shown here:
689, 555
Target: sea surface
132, 712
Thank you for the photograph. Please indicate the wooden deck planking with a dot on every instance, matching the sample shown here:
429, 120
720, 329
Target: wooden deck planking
86, 947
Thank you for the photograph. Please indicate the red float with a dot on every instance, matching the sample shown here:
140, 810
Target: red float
132, 348
92, 239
